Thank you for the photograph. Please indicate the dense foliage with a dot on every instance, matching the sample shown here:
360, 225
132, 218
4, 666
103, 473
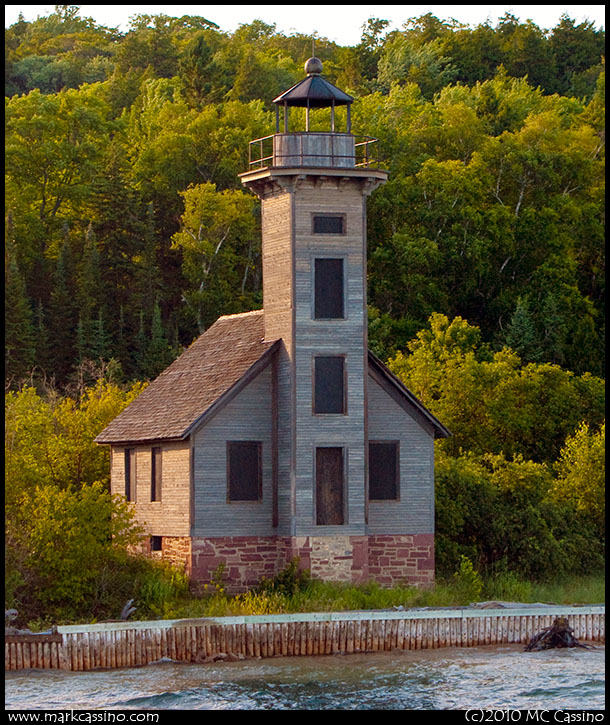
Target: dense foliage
493, 137
128, 233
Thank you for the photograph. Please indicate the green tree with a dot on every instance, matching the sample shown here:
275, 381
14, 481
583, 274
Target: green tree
53, 146
19, 333
63, 315
575, 48
581, 469
49, 441
217, 238
197, 69
156, 352
521, 335
54, 531
406, 60
492, 403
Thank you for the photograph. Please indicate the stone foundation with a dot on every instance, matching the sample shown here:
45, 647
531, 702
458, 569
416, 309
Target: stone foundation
389, 560
395, 559
245, 560
177, 550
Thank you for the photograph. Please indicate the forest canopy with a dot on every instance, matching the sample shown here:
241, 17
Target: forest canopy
493, 137
486, 284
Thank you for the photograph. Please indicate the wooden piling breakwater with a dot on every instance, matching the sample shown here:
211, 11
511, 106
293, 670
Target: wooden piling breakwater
132, 644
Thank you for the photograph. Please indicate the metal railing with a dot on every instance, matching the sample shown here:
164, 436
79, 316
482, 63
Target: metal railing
262, 154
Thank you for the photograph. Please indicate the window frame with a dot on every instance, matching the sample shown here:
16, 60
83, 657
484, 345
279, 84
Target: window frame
316, 357
130, 474
322, 258
156, 543
259, 499
396, 444
156, 474
329, 215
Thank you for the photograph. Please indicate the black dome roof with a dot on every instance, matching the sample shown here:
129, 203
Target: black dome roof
315, 92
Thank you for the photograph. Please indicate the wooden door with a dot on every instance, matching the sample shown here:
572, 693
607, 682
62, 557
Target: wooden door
329, 486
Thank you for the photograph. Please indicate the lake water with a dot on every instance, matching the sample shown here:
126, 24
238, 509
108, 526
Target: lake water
443, 679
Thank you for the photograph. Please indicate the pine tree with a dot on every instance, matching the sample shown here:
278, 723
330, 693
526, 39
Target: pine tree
159, 353
19, 339
42, 341
554, 330
521, 333
148, 276
63, 317
140, 349
93, 342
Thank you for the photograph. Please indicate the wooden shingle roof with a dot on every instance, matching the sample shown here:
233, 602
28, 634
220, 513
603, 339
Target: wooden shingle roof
192, 386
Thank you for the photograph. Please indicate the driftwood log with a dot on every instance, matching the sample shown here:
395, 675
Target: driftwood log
559, 634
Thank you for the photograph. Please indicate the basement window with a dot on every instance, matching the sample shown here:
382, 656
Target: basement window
329, 385
244, 471
384, 471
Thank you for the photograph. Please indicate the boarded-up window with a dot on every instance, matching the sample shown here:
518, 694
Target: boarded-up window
244, 471
328, 289
329, 486
329, 224
329, 385
384, 467
130, 474
155, 475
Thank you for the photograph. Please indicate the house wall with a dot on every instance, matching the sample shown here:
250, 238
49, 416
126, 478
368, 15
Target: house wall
414, 512
248, 417
171, 515
278, 286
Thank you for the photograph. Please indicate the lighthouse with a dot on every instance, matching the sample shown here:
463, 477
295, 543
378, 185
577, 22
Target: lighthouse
277, 434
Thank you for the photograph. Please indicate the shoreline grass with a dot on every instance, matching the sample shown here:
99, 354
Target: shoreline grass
318, 596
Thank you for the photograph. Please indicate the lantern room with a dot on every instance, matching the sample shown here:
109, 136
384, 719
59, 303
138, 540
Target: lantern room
326, 149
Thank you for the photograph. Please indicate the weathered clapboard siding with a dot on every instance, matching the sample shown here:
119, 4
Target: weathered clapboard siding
278, 286
248, 417
171, 515
317, 195
131, 644
414, 512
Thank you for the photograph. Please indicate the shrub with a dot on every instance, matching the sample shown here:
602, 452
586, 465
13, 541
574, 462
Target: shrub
289, 581
468, 582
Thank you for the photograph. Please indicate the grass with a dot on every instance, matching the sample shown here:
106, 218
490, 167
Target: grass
318, 596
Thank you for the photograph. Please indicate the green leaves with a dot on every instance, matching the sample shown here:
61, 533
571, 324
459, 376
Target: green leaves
493, 403
219, 242
580, 472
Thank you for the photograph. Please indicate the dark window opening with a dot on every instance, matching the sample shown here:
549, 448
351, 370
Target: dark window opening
384, 468
329, 224
328, 289
156, 543
329, 385
130, 474
329, 486
155, 475
244, 471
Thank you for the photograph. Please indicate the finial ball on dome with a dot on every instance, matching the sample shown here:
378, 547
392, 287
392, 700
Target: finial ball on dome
313, 65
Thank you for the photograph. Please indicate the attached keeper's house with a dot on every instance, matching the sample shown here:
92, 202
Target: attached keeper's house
277, 433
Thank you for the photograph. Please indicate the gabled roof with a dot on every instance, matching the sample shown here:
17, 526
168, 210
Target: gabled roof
214, 369
196, 383
405, 398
